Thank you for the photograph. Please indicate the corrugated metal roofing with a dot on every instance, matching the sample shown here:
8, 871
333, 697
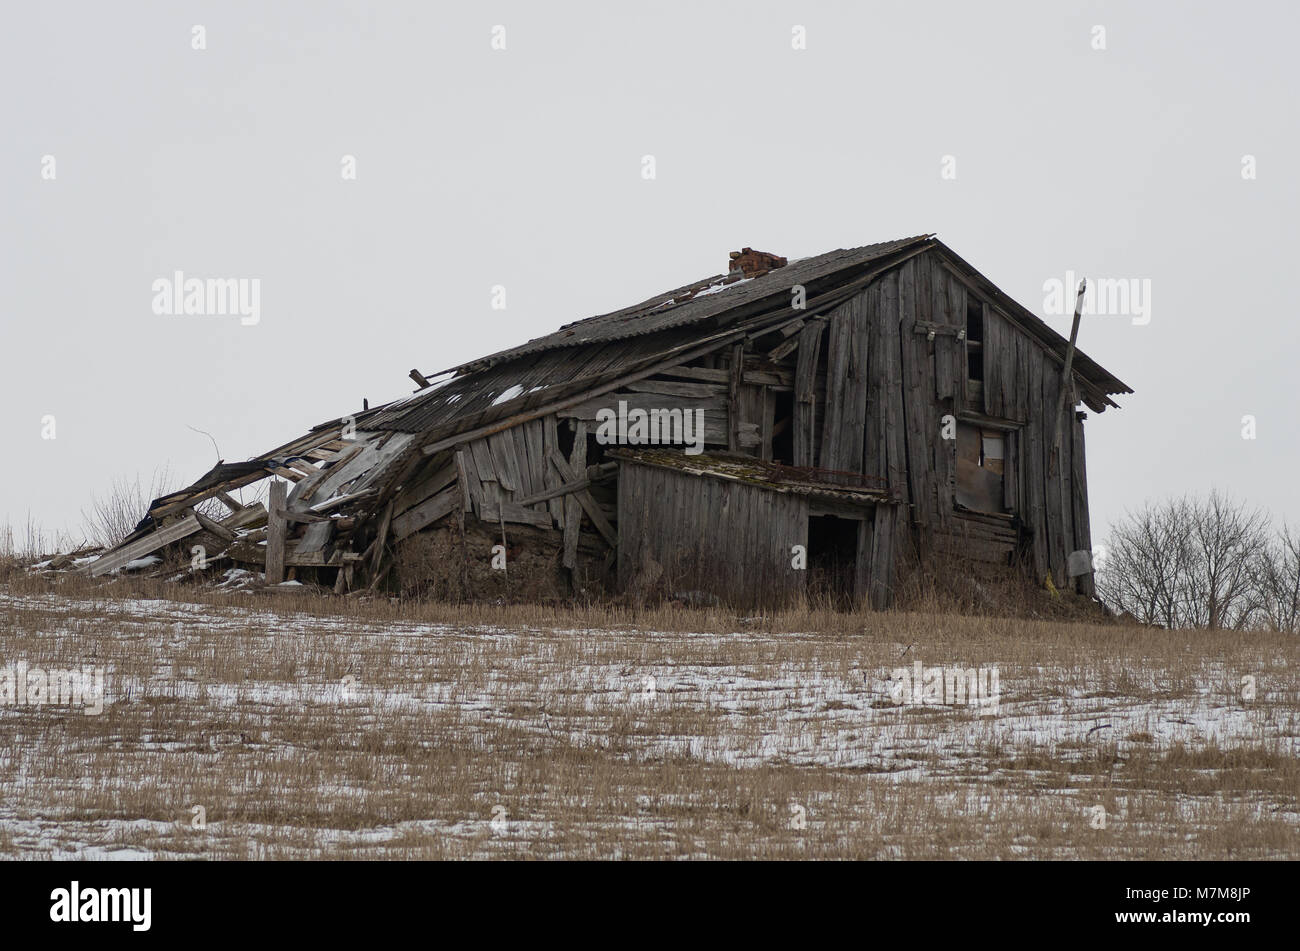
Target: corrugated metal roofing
665, 312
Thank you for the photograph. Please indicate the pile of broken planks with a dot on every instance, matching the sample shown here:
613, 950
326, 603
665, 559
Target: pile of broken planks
308, 521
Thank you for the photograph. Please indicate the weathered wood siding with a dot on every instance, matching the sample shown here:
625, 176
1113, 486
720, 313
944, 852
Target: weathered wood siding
695, 533
888, 387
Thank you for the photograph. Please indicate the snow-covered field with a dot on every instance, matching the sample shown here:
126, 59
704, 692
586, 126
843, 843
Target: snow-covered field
245, 728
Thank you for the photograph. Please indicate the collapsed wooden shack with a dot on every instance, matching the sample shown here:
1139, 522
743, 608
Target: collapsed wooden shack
824, 423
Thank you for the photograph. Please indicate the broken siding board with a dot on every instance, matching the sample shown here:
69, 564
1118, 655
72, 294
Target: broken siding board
483, 462
473, 481
537, 467
462, 476
501, 446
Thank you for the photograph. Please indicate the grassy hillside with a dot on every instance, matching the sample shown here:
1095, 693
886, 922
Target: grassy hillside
294, 728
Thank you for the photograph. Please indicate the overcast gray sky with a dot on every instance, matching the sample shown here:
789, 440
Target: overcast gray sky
522, 167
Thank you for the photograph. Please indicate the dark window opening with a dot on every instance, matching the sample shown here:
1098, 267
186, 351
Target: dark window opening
564, 436
974, 340
783, 428
974, 319
832, 559
595, 452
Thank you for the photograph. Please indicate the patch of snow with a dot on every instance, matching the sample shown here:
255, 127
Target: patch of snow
145, 562
508, 395
720, 287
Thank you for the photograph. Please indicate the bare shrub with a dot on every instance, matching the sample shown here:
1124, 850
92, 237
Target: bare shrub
115, 514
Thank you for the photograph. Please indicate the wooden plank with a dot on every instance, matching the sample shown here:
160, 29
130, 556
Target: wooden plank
427, 512
483, 461
677, 388
316, 537
428, 485
275, 534
247, 516
535, 440
147, 545
381, 538
216, 528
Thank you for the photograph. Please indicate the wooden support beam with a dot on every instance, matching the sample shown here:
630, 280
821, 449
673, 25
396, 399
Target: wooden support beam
594, 474
1067, 385
381, 538
275, 534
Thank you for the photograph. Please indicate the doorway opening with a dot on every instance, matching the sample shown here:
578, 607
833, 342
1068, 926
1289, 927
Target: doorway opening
832, 560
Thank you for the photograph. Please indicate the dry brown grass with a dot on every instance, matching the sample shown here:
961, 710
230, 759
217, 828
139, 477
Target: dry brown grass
311, 727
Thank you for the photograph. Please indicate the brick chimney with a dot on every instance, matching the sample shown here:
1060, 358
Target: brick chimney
754, 263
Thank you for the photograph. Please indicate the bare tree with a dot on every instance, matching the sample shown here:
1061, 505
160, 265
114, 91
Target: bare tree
1187, 563
1227, 540
1277, 582
1146, 559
